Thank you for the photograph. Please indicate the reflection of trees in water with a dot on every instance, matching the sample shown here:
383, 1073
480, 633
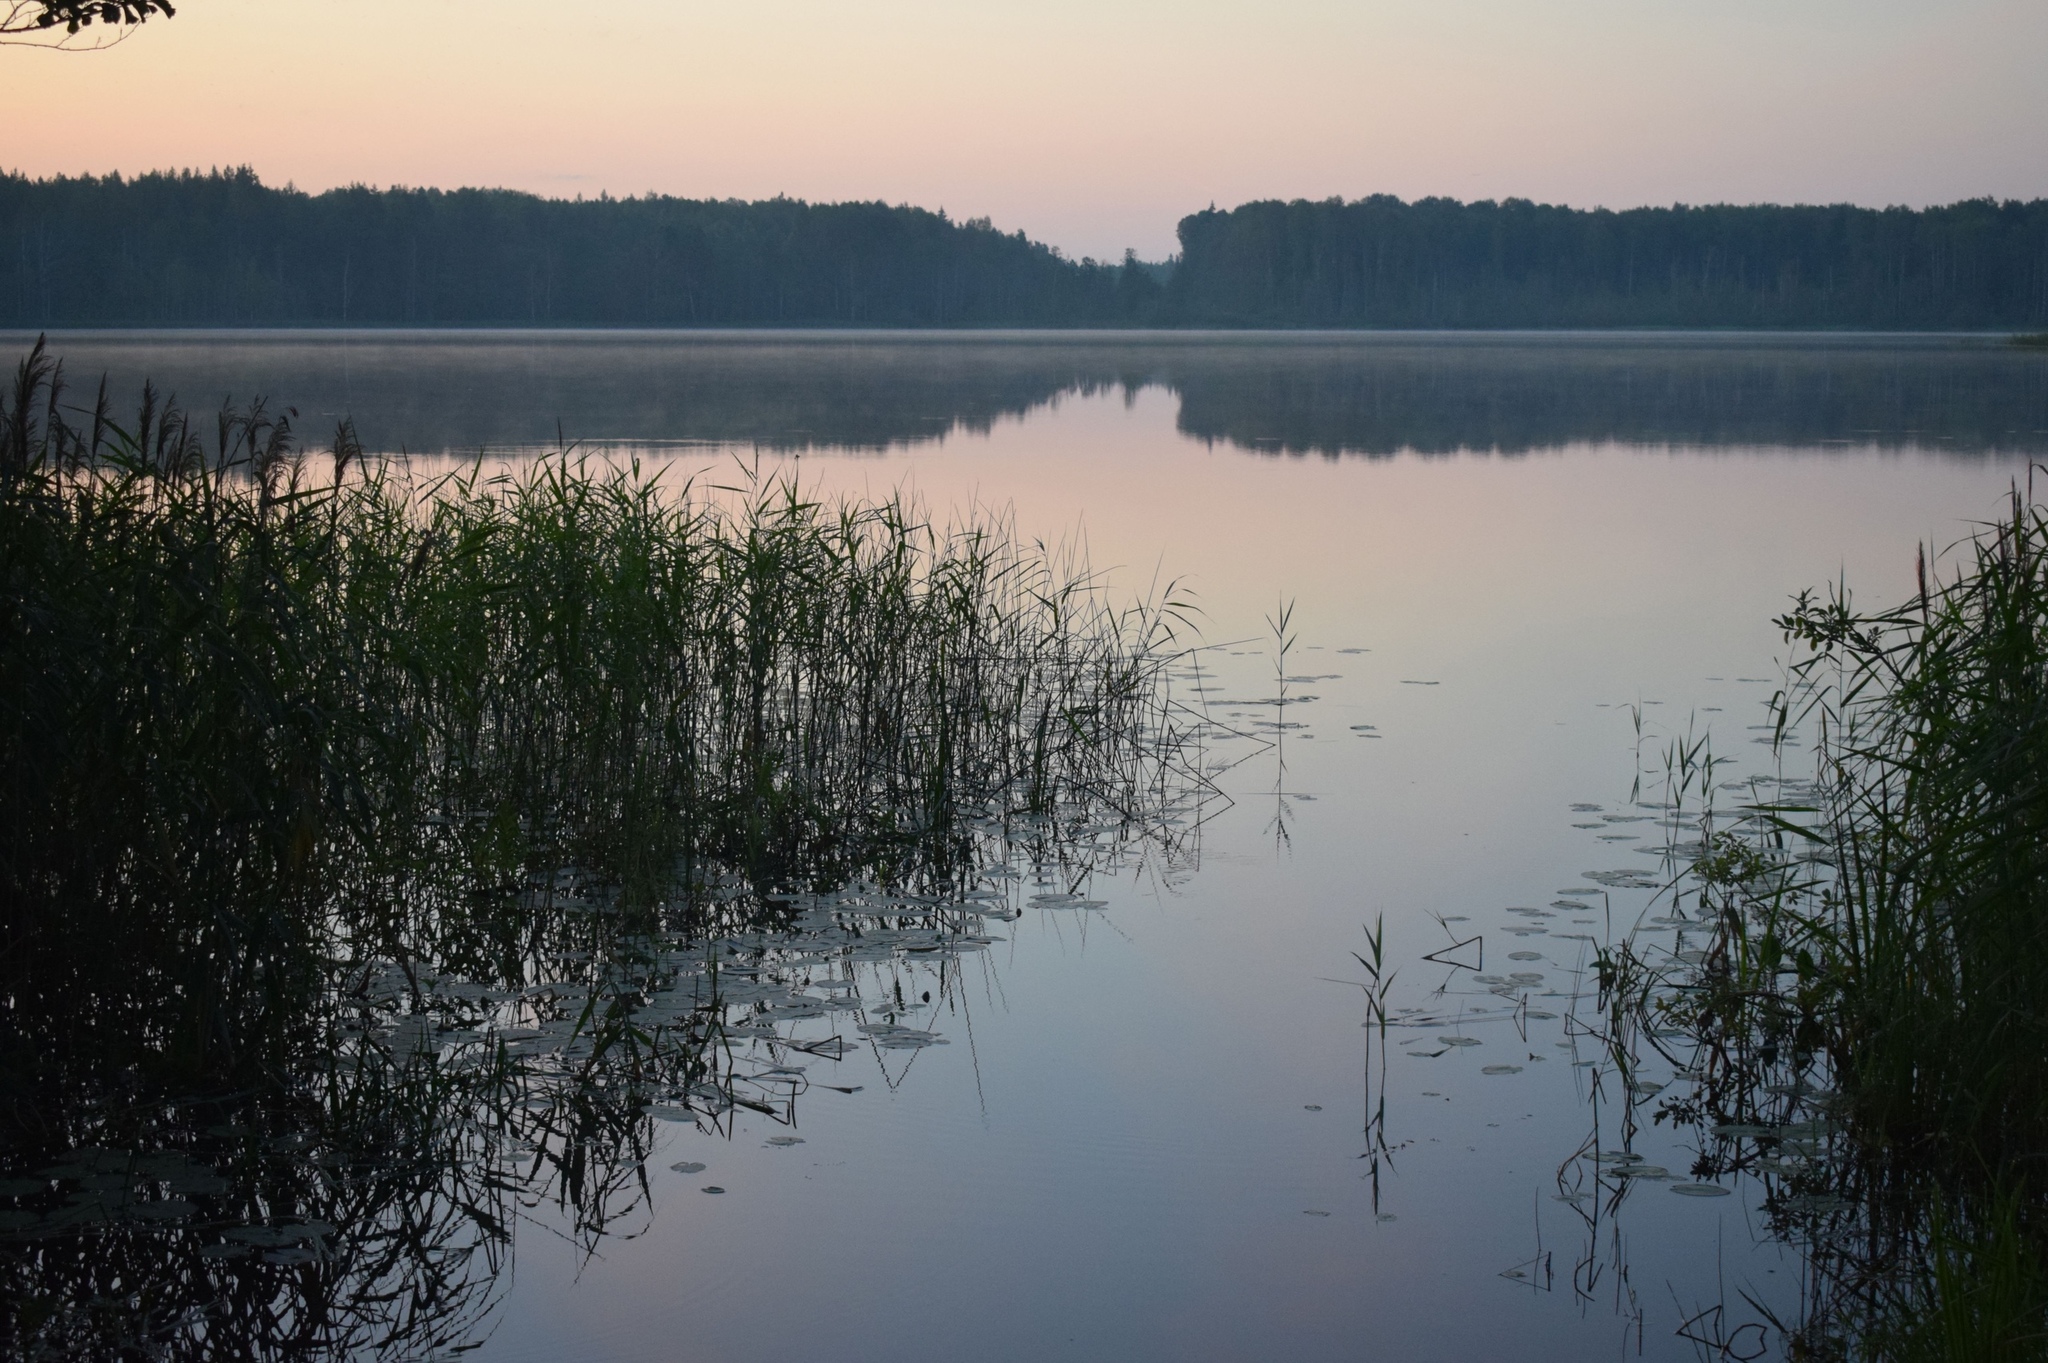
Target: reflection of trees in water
1370, 395
455, 395
1440, 399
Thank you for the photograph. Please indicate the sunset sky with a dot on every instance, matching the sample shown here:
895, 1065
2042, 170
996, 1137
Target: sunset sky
1091, 125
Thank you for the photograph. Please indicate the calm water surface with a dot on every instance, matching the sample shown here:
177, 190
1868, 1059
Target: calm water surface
1144, 1139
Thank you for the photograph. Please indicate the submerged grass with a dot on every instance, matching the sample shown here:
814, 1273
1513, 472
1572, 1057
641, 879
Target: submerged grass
1872, 1005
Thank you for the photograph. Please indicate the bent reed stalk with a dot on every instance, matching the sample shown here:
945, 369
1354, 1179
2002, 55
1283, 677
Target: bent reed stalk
263, 712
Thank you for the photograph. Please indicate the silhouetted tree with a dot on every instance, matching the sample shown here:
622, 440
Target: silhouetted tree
64, 22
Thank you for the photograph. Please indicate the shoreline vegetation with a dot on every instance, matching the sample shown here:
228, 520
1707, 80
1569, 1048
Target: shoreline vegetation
223, 249
1868, 1014
386, 856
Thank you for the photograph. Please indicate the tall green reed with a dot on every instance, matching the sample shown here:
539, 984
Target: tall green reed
264, 712
1875, 985
1928, 946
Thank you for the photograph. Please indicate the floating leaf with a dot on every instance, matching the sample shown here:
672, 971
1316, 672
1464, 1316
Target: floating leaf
1501, 1069
1699, 1190
687, 1167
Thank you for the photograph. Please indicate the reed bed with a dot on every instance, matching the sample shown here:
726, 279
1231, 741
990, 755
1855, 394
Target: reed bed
376, 846
262, 709
1873, 1001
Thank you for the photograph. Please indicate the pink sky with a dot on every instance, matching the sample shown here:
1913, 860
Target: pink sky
1091, 125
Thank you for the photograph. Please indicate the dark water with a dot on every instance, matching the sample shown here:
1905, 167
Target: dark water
1150, 1130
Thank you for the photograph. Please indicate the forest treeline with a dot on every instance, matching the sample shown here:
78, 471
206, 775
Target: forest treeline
223, 249
1379, 262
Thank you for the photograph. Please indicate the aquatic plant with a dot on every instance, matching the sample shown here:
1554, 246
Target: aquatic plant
246, 697
1867, 1013
380, 852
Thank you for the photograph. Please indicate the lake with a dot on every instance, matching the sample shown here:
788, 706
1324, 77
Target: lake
1148, 1119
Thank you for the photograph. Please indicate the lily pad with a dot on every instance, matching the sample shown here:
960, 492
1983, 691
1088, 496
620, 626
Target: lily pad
1699, 1190
1741, 1130
687, 1167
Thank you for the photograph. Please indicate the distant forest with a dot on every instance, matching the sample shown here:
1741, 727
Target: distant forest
223, 250
1379, 262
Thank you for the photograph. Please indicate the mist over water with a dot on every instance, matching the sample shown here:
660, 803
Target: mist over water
1156, 1127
